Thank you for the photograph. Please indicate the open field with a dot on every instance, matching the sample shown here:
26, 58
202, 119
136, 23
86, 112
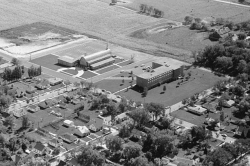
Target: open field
181, 37
199, 81
98, 19
79, 50
114, 85
88, 74
32, 37
178, 9
49, 61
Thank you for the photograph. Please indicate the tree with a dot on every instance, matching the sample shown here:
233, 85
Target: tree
125, 131
56, 151
139, 116
188, 20
112, 110
90, 157
139, 161
15, 61
123, 105
104, 99
25, 122
222, 116
114, 143
82, 83
162, 146
2, 141
67, 83
132, 151
164, 88
9, 121
155, 108
219, 156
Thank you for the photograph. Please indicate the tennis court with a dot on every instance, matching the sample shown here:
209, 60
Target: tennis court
87, 48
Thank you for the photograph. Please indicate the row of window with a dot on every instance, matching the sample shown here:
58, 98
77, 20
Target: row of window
163, 75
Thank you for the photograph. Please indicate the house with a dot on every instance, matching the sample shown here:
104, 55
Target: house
219, 33
243, 131
81, 131
19, 113
51, 102
230, 103
43, 105
55, 81
40, 86
197, 109
16, 159
33, 108
210, 107
54, 142
96, 124
39, 148
68, 138
30, 90
68, 123
83, 117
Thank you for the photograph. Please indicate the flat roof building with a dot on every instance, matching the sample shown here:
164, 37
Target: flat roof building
161, 71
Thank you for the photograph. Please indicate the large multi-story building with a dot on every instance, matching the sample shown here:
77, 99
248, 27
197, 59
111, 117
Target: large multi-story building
160, 72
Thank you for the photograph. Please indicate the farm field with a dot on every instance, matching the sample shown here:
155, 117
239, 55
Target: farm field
178, 9
181, 37
199, 81
81, 16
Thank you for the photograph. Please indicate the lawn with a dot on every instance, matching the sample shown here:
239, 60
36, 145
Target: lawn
117, 60
88, 74
114, 85
49, 61
124, 74
72, 72
107, 69
199, 81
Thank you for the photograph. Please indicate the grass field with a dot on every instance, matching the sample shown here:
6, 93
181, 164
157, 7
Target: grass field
114, 85
107, 69
49, 61
73, 72
199, 81
88, 74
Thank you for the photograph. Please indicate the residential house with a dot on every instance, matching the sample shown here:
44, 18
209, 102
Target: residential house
30, 90
55, 81
43, 105
33, 108
40, 86
68, 138
81, 131
230, 103
219, 33
197, 109
19, 113
68, 123
16, 159
51, 102
243, 131
211, 107
39, 148
54, 142
96, 124
83, 117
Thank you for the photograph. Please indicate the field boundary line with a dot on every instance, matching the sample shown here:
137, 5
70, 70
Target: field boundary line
232, 3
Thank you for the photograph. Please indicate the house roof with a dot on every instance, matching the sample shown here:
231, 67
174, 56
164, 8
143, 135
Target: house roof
55, 141
197, 108
54, 80
39, 146
32, 106
20, 112
98, 123
68, 122
16, 158
68, 137
81, 130
61, 163
43, 105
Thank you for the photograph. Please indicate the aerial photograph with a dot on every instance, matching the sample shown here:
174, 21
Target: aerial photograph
124, 82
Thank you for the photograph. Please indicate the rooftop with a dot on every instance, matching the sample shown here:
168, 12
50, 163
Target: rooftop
67, 59
164, 66
39, 146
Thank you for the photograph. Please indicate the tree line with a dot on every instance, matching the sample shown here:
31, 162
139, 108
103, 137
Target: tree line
149, 10
14, 74
34, 71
